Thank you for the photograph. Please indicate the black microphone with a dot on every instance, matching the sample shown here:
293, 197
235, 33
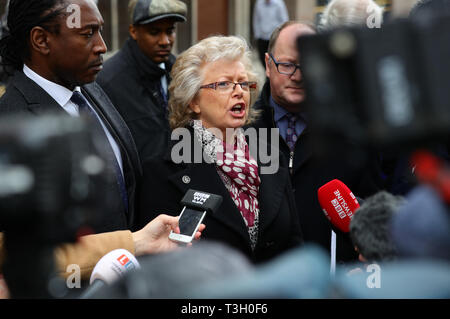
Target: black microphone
201, 200
196, 205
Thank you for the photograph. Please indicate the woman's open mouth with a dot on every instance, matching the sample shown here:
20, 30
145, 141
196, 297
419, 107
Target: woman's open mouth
238, 110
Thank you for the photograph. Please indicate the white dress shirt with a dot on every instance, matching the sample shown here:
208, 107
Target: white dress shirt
163, 78
62, 96
267, 15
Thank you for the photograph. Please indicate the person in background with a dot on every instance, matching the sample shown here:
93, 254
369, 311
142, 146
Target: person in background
137, 77
340, 13
267, 15
211, 97
282, 106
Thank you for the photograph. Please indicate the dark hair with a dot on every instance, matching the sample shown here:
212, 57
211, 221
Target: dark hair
23, 16
370, 226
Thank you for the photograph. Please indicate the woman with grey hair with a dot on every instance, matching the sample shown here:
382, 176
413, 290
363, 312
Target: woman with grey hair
188, 75
211, 94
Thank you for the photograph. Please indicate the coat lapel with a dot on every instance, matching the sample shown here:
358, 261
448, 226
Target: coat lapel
38, 100
115, 123
204, 177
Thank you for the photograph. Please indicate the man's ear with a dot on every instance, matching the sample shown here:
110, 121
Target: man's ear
39, 40
132, 30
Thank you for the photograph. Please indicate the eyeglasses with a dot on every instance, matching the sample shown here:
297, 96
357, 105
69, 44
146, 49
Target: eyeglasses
229, 86
286, 68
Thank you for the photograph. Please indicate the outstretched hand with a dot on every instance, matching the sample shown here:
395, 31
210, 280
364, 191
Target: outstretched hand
154, 237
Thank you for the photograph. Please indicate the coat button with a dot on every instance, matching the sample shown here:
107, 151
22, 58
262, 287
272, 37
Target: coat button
186, 179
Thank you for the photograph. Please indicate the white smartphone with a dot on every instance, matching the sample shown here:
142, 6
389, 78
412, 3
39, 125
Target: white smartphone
190, 220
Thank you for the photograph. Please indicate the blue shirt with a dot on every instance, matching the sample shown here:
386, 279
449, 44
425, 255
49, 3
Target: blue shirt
281, 119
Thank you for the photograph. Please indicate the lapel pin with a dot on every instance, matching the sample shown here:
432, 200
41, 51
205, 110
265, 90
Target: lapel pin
186, 179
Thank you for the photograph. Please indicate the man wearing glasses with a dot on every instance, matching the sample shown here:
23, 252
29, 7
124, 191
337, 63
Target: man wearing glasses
283, 94
282, 106
286, 85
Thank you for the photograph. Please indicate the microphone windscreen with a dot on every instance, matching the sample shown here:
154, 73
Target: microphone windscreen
113, 266
338, 204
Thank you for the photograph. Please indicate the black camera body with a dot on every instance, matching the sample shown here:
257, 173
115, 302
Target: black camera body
52, 175
52, 190
386, 88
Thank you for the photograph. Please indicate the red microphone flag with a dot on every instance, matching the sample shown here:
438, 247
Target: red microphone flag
338, 203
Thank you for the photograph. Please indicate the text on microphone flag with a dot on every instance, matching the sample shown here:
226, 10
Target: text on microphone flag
200, 198
341, 206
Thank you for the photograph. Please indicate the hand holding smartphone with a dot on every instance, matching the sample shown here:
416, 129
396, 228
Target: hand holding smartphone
189, 222
196, 205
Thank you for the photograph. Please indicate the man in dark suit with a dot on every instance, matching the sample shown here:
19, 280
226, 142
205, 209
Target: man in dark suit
63, 59
55, 48
281, 104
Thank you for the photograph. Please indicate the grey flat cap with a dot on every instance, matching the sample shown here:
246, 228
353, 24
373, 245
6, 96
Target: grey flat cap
148, 11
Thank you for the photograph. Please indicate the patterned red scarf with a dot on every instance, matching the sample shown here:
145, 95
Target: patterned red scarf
242, 172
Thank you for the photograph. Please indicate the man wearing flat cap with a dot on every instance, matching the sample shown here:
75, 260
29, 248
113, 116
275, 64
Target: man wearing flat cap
137, 77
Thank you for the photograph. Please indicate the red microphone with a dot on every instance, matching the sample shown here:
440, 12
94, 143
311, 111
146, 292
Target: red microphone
434, 171
338, 203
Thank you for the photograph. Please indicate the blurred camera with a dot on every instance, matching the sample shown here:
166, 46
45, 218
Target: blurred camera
52, 190
51, 177
386, 88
